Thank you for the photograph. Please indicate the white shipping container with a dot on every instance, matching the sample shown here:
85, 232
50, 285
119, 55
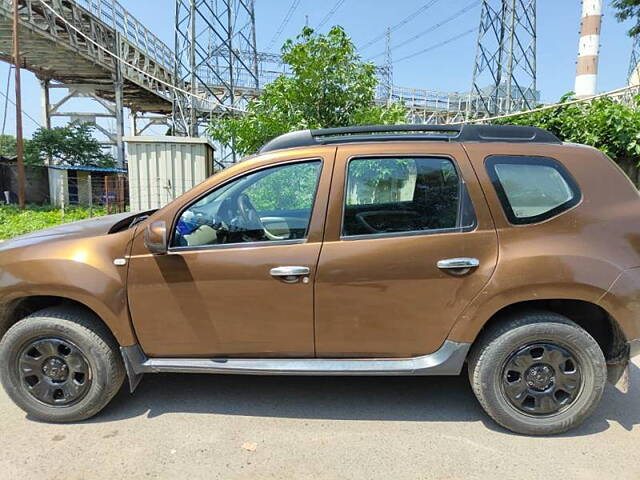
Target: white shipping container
163, 168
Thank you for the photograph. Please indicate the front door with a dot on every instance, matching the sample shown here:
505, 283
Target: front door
226, 287
387, 285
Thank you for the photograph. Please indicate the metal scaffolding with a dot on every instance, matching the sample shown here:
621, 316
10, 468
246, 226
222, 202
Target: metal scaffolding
504, 72
216, 58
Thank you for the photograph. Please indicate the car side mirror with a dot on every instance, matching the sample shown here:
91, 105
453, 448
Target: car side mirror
155, 238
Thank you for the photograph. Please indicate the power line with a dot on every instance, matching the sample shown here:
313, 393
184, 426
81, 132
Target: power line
330, 14
285, 21
22, 111
432, 28
402, 23
6, 101
437, 45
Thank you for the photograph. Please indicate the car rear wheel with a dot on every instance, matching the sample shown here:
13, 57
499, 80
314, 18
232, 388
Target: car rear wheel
537, 373
60, 365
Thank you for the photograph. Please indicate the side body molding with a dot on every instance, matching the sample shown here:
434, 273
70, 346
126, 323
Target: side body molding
447, 360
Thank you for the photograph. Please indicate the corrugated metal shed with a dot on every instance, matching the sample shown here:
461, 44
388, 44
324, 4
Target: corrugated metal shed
163, 168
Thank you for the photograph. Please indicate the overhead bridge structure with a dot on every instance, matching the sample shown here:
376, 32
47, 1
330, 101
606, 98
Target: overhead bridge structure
75, 46
97, 49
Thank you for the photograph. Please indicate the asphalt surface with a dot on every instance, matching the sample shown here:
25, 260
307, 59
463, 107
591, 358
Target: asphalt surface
205, 426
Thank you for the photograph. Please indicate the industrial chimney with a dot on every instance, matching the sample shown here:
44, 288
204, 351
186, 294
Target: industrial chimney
587, 69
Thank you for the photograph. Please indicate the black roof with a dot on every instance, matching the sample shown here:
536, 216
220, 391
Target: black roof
381, 133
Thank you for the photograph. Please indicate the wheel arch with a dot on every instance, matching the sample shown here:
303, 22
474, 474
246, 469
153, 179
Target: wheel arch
594, 319
19, 308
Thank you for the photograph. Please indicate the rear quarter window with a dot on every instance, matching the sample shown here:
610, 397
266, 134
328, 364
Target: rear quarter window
532, 189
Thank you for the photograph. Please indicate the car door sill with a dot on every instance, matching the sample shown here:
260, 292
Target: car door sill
447, 360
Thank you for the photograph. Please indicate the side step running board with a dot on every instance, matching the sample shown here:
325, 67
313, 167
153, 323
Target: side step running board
447, 360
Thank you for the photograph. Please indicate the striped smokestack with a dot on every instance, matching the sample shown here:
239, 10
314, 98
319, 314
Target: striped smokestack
587, 70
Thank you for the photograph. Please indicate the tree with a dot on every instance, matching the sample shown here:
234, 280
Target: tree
626, 9
72, 145
7, 146
329, 87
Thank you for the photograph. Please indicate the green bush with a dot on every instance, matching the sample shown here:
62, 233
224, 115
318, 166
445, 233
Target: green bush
612, 127
14, 222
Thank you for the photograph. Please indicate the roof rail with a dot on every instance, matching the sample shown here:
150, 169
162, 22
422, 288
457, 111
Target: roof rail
380, 133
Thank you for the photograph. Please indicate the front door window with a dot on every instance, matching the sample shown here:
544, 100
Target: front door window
269, 205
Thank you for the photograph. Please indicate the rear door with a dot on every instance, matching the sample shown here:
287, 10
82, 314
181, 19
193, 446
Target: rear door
398, 223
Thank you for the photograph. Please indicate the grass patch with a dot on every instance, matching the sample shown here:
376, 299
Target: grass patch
14, 222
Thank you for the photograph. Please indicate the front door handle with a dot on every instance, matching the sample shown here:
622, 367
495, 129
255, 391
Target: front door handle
290, 274
458, 266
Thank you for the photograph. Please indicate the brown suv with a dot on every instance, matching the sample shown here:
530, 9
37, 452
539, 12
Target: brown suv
406, 250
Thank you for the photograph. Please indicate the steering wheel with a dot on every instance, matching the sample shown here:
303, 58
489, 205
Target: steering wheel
251, 218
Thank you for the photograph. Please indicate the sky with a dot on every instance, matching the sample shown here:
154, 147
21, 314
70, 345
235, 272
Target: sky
447, 67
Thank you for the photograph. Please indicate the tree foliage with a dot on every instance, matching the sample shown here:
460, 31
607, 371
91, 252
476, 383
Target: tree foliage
612, 127
8, 146
72, 145
329, 87
628, 9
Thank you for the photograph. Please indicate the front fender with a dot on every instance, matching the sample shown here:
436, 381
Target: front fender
81, 270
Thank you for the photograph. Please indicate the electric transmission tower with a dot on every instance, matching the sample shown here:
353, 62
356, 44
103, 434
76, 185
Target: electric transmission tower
504, 73
386, 70
633, 75
215, 59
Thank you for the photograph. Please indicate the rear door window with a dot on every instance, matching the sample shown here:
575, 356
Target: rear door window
404, 195
532, 189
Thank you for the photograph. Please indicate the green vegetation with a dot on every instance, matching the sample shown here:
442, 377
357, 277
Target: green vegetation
626, 9
602, 123
288, 188
8, 145
14, 222
73, 144
330, 86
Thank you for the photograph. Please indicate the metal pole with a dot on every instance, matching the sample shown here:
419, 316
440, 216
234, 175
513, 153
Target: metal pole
118, 84
500, 66
252, 15
19, 134
534, 21
512, 26
193, 128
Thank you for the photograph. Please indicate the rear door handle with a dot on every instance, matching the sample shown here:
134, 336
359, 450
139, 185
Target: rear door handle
458, 266
290, 274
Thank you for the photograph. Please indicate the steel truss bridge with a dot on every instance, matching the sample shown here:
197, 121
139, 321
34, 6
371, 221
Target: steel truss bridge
96, 49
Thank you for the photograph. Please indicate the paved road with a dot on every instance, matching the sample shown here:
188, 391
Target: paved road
195, 426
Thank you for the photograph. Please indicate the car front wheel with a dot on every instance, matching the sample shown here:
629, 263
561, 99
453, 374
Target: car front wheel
60, 365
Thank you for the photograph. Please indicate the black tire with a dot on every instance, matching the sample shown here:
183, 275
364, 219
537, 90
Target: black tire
533, 334
91, 349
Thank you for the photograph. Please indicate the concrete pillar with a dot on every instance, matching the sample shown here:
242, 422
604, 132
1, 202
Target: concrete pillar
46, 102
589, 47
